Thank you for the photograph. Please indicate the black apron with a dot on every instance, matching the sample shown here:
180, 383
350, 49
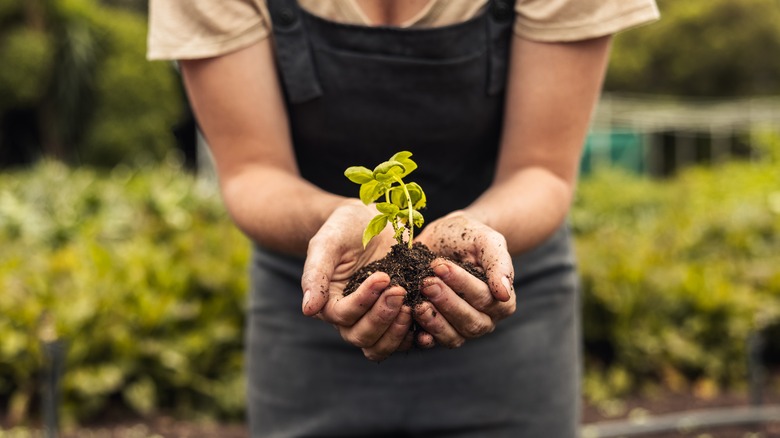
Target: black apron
355, 95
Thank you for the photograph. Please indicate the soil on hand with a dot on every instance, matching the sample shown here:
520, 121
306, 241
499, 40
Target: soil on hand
408, 267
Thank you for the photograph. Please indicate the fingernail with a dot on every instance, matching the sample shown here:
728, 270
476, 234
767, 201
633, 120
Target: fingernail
394, 301
507, 284
379, 286
306, 299
431, 290
441, 270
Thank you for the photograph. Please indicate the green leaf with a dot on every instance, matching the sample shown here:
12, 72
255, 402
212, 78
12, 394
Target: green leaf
374, 227
417, 195
388, 209
403, 158
371, 191
385, 171
398, 197
359, 174
418, 219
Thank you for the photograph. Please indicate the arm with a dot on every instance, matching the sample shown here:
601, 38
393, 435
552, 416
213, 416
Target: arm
551, 95
552, 90
238, 102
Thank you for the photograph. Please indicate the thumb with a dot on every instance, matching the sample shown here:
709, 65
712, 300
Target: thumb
498, 268
315, 284
321, 261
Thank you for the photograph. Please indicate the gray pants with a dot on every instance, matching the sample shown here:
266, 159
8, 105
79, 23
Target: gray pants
520, 381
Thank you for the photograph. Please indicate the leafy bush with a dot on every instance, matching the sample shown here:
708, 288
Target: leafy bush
30, 54
103, 104
687, 52
677, 274
143, 276
136, 102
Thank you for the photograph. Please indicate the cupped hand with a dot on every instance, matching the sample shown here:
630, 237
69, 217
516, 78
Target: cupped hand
460, 305
372, 317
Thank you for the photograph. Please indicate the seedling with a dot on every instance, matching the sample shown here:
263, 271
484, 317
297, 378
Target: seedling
402, 200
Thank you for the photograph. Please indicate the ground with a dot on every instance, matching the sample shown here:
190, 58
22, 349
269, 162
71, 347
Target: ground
167, 427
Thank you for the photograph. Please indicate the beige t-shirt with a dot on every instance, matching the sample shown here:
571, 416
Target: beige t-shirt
188, 29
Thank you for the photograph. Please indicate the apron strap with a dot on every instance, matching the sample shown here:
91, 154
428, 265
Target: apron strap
499, 37
293, 54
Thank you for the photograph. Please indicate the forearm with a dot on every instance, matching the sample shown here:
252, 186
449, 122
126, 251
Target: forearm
526, 207
550, 98
276, 209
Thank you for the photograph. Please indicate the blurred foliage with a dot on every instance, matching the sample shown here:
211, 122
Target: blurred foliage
78, 67
677, 274
144, 277
701, 48
134, 113
31, 54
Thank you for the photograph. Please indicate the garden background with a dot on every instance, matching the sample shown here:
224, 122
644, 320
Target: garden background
113, 246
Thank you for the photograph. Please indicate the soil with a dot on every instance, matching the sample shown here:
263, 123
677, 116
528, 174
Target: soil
408, 267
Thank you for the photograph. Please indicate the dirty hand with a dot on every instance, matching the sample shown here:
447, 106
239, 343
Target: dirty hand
373, 317
460, 305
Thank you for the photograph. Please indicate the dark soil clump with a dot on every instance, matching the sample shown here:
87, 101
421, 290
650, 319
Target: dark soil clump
407, 267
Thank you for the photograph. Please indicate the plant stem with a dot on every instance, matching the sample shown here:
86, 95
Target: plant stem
411, 210
393, 223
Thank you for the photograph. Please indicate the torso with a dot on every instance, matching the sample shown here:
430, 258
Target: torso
391, 12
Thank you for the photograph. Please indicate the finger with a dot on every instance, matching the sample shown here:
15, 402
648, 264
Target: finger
425, 340
393, 338
322, 257
473, 290
408, 341
435, 324
465, 319
377, 320
346, 311
498, 265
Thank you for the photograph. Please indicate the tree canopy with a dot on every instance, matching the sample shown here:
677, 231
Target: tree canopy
718, 48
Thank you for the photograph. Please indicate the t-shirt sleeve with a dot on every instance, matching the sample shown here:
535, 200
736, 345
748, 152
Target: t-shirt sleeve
573, 20
190, 29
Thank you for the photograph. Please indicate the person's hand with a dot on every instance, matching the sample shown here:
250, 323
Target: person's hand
461, 306
372, 317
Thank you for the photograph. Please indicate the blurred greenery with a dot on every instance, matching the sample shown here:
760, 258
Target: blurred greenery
144, 277
701, 48
79, 87
678, 273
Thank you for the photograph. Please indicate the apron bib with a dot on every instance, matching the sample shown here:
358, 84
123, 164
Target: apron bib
354, 96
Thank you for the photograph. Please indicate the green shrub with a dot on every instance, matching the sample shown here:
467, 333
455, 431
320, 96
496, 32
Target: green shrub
137, 102
81, 76
144, 277
687, 52
677, 274
27, 59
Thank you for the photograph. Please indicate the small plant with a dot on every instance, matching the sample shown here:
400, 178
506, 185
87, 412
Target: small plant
402, 200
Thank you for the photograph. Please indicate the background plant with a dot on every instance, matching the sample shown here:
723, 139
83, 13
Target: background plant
143, 275
79, 88
145, 278
402, 200
678, 274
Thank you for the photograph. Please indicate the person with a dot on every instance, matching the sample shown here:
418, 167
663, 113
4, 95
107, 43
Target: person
493, 98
